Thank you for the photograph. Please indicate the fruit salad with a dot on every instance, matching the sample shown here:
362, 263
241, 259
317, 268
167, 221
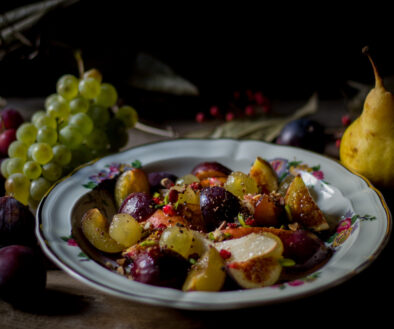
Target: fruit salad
213, 229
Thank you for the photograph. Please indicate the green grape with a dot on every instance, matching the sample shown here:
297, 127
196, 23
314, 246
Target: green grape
59, 108
41, 153
52, 171
45, 121
61, 154
18, 186
100, 115
26, 133
37, 115
93, 73
70, 137
32, 169
97, 140
47, 135
15, 165
128, 115
79, 104
82, 122
117, 134
17, 149
38, 188
89, 88
108, 95
67, 86
3, 168
52, 98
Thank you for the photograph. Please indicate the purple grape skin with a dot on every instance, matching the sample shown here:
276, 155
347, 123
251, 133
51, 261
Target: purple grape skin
154, 179
159, 267
139, 205
218, 205
22, 272
145, 268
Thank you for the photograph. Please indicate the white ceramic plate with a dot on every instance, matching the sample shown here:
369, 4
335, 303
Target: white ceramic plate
364, 229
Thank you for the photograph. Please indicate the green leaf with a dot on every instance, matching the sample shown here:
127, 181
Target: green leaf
90, 185
136, 164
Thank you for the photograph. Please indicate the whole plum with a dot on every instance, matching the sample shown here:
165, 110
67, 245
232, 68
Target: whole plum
139, 205
16, 223
22, 273
304, 133
218, 205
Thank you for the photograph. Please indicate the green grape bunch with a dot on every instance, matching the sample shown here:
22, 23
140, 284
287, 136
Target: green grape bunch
81, 122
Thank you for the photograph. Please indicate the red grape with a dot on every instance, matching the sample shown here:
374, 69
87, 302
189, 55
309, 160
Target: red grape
10, 118
6, 138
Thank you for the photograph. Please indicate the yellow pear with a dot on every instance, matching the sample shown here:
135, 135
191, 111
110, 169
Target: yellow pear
367, 146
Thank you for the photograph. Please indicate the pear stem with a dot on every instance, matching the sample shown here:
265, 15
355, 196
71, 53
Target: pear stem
378, 79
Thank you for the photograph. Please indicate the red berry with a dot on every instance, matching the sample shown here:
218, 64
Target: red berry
230, 116
173, 196
250, 221
225, 254
338, 143
260, 98
200, 117
249, 110
249, 95
169, 210
214, 111
346, 120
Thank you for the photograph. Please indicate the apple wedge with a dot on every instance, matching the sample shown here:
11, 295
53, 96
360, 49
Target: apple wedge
302, 208
264, 175
254, 259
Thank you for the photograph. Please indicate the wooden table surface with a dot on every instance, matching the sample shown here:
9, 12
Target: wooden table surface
68, 303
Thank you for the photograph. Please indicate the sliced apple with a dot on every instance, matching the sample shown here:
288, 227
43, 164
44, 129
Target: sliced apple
264, 175
302, 208
253, 260
95, 228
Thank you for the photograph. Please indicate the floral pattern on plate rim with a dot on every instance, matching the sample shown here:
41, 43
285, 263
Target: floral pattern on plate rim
347, 224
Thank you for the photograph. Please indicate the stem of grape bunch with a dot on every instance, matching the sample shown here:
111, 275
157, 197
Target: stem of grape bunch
81, 122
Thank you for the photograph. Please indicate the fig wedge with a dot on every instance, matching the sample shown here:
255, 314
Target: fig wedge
302, 208
264, 175
253, 260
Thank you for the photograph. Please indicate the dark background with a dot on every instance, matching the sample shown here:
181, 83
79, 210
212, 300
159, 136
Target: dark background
287, 53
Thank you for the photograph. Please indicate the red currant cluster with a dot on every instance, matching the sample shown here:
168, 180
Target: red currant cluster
242, 104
